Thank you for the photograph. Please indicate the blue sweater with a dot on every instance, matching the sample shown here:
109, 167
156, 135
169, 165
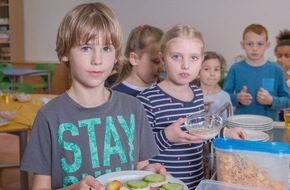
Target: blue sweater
269, 76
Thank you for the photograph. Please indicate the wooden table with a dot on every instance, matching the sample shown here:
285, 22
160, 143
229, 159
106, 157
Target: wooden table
18, 74
20, 126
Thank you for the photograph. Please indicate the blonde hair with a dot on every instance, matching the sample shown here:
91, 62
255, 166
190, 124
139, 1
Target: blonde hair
139, 39
180, 31
257, 29
87, 22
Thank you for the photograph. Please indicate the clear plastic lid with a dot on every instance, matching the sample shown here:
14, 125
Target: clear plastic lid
257, 146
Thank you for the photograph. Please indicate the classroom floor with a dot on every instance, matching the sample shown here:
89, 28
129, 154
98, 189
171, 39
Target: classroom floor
9, 153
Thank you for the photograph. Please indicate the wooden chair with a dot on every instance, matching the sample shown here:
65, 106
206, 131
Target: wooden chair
17, 87
44, 84
1, 76
6, 65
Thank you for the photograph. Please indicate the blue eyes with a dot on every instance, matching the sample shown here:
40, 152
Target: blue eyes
195, 58
176, 57
88, 48
179, 57
107, 49
85, 49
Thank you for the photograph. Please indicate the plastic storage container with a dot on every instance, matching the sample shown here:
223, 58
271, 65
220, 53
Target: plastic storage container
219, 185
253, 163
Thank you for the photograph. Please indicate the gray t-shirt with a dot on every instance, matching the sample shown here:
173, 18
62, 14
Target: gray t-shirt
69, 142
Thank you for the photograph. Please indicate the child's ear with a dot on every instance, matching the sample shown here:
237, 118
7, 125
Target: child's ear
64, 58
161, 58
268, 44
242, 44
133, 58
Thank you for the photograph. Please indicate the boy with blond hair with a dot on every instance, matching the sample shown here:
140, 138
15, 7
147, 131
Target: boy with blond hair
89, 130
256, 85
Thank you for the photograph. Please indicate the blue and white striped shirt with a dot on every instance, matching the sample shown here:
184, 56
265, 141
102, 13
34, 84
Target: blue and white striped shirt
183, 161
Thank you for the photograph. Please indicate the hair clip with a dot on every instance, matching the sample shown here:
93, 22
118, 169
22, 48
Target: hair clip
142, 25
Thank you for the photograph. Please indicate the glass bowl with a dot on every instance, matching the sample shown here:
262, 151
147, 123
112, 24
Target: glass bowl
22, 97
8, 114
207, 126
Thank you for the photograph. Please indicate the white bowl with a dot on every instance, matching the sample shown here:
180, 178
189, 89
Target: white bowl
8, 115
22, 97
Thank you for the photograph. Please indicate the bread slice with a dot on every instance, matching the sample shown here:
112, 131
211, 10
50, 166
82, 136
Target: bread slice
155, 180
172, 186
124, 188
137, 185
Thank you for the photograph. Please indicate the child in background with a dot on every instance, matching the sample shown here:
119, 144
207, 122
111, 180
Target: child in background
210, 74
282, 52
142, 66
86, 132
256, 85
169, 102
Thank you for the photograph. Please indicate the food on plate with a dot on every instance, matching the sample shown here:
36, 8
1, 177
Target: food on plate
124, 188
115, 185
155, 180
147, 182
138, 185
172, 186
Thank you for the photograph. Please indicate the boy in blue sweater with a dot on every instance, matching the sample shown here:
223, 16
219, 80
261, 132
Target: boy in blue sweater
256, 85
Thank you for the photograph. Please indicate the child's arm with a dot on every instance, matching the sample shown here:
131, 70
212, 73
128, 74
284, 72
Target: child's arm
244, 97
236, 133
43, 182
264, 97
156, 167
175, 135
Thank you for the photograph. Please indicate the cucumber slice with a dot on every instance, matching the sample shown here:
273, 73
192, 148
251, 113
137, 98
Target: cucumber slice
154, 178
172, 186
137, 184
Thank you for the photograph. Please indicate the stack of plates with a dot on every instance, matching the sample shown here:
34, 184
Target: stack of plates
253, 135
252, 122
254, 125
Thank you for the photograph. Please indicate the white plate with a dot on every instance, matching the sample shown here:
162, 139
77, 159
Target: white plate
3, 122
251, 127
254, 135
125, 176
248, 119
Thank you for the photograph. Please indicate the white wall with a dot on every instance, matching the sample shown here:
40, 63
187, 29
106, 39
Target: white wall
220, 21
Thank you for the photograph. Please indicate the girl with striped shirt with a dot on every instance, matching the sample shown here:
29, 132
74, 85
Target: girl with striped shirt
169, 102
